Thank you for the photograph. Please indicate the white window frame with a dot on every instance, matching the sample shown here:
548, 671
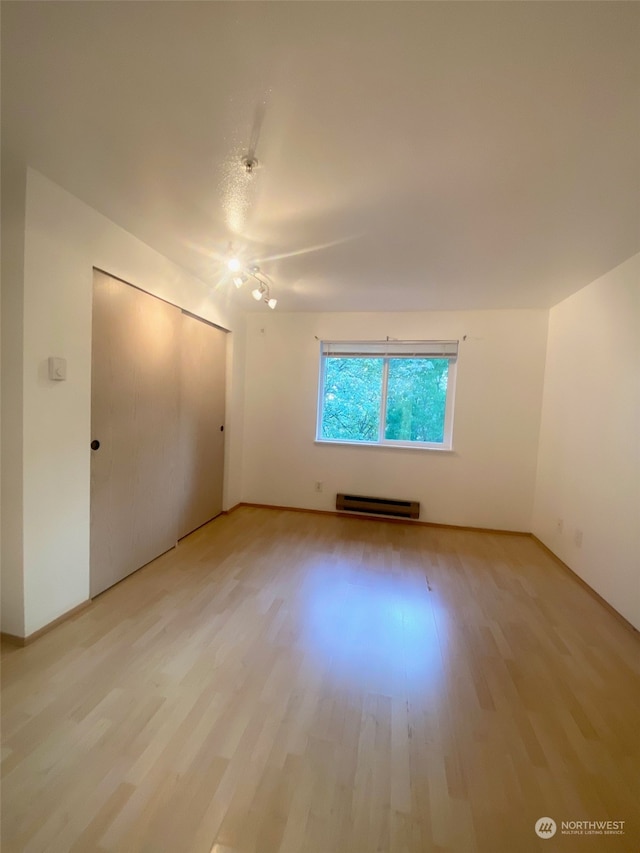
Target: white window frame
388, 350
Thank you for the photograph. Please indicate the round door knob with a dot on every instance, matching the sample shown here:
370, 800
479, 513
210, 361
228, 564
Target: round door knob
95, 444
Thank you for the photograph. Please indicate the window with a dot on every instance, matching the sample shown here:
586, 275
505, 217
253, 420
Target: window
387, 392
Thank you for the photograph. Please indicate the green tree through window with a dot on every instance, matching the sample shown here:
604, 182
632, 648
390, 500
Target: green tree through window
352, 396
385, 399
416, 399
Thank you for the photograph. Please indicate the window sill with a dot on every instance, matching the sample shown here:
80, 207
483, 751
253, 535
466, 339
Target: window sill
430, 448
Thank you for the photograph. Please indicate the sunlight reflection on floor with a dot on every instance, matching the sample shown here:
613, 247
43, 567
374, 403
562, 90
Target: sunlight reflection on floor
377, 631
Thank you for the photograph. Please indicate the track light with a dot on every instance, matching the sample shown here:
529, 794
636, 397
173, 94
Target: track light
242, 274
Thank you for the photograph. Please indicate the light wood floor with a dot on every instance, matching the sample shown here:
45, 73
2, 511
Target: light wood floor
294, 683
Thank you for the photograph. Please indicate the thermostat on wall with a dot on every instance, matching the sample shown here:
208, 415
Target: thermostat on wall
57, 368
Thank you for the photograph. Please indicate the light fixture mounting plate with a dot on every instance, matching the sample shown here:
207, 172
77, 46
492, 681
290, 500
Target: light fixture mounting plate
250, 164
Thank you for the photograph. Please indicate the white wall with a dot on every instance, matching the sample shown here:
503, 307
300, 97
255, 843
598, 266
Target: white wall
13, 217
64, 240
589, 458
488, 481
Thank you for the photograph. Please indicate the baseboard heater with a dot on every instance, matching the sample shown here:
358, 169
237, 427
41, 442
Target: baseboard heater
378, 506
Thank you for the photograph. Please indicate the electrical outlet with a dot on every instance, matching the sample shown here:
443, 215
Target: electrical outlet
559, 525
318, 486
577, 538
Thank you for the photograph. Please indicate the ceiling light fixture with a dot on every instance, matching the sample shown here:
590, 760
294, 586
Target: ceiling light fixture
261, 294
242, 274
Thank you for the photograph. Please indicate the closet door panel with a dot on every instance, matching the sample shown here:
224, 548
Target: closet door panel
202, 401
135, 417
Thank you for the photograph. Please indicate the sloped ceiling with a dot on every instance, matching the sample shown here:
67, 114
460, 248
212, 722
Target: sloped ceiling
412, 156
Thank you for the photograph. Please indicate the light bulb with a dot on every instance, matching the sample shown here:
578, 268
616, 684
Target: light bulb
272, 303
239, 280
233, 264
257, 294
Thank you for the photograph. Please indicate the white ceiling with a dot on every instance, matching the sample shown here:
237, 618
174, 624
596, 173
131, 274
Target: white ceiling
412, 156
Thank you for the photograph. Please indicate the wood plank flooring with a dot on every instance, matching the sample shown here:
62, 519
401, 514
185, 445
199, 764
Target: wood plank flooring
296, 683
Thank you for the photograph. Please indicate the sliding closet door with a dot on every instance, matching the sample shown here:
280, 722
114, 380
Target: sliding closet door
202, 393
135, 419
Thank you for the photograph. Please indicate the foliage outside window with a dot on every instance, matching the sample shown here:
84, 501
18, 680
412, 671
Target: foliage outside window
390, 392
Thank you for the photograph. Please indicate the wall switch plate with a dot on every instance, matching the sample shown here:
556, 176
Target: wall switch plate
57, 368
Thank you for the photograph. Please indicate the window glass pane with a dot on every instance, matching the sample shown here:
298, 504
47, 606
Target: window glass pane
351, 398
416, 399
